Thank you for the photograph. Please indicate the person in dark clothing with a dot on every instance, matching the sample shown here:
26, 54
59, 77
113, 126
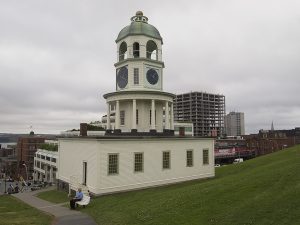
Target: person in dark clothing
17, 189
78, 197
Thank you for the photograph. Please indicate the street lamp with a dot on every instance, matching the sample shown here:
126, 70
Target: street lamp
26, 172
5, 181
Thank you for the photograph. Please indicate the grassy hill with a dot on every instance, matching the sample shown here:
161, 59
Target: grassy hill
15, 212
262, 191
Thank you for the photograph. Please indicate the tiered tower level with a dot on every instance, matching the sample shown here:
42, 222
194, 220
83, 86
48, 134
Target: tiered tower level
139, 104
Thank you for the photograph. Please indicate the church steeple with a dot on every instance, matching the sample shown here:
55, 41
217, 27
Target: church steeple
272, 126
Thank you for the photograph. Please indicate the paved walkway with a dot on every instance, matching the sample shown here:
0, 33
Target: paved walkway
63, 215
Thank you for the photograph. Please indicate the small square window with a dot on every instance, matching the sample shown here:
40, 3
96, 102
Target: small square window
189, 158
138, 162
166, 160
113, 164
122, 117
205, 157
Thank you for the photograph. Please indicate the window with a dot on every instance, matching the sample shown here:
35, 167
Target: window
123, 51
138, 162
47, 158
137, 116
53, 160
136, 76
166, 160
189, 158
136, 50
42, 157
205, 157
151, 50
122, 117
113, 164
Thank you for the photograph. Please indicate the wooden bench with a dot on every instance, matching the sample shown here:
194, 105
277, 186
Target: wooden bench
84, 201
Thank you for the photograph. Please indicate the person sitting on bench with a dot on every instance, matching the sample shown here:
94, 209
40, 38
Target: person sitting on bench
77, 198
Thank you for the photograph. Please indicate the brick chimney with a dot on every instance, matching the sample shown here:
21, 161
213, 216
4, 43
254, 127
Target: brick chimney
83, 129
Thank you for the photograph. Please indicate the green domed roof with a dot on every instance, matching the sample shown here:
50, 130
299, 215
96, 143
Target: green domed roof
139, 26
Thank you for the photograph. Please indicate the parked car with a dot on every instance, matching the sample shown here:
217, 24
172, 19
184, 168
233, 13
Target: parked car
9, 180
238, 160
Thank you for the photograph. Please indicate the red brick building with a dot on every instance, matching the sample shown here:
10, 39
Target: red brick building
268, 141
26, 148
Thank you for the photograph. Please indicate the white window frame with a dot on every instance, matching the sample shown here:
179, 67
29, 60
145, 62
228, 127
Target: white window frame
203, 156
169, 160
135, 162
188, 160
108, 164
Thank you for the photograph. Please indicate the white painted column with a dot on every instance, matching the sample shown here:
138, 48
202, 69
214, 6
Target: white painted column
172, 117
117, 117
153, 122
108, 117
51, 174
167, 118
133, 114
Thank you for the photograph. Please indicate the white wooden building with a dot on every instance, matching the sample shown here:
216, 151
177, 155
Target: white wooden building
108, 165
139, 148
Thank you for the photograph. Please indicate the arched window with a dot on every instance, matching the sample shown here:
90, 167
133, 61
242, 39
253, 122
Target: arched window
151, 49
123, 51
136, 50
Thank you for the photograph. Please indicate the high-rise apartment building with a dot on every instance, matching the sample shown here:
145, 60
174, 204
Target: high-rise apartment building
235, 124
206, 111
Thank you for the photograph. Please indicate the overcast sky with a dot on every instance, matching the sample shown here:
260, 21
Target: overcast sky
57, 58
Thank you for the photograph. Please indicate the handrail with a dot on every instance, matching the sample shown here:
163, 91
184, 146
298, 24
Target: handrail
136, 54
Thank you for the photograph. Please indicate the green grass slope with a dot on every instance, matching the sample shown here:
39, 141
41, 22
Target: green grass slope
15, 212
54, 196
262, 191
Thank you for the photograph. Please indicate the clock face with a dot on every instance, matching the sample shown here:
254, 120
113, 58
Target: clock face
152, 76
122, 77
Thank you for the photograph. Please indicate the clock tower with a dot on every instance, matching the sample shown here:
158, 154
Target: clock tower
139, 104
139, 48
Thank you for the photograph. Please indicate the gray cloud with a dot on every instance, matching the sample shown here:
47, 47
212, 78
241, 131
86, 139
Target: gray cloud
56, 58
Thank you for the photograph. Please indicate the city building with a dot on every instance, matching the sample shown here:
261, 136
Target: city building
27, 145
8, 160
183, 129
205, 110
234, 124
268, 141
139, 148
228, 149
45, 166
96, 128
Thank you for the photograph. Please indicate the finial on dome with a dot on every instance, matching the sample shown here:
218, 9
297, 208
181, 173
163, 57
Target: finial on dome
139, 17
139, 13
